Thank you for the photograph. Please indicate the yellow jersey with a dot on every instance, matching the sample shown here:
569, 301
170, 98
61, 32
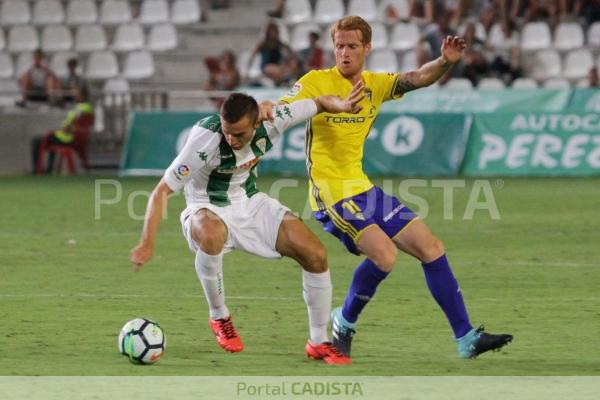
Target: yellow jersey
334, 142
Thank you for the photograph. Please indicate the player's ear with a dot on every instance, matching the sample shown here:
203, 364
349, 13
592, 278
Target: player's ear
367, 49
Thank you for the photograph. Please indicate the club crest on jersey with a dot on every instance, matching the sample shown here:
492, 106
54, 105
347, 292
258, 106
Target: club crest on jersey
262, 145
368, 94
295, 90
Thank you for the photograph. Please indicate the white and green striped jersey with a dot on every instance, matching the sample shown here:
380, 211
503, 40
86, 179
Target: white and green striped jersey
209, 170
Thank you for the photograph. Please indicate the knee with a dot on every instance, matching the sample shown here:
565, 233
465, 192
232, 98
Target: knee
209, 235
433, 250
316, 260
386, 258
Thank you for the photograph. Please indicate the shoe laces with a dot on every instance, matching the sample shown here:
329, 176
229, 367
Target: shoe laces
228, 329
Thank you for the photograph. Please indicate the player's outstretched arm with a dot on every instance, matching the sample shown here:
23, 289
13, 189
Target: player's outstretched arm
335, 104
142, 253
452, 51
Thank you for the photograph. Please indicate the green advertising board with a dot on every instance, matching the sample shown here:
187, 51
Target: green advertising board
534, 144
411, 144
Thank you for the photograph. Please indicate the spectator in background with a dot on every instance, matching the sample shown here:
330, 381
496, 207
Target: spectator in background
223, 74
593, 78
435, 34
313, 57
65, 135
278, 61
542, 10
507, 52
589, 9
474, 65
39, 83
73, 82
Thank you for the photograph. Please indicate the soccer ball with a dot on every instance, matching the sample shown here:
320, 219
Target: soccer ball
142, 341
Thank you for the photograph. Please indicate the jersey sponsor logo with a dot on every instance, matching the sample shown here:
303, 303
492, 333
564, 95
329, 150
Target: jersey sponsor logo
392, 213
293, 92
281, 113
243, 167
344, 120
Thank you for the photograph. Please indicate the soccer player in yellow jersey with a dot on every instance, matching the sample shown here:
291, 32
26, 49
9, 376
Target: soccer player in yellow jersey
364, 218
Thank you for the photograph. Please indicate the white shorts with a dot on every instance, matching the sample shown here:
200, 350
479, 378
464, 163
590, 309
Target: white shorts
252, 224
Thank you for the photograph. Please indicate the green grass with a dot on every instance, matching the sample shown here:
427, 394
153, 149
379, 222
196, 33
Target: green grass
534, 273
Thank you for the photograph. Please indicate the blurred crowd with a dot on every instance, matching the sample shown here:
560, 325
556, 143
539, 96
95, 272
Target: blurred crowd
471, 19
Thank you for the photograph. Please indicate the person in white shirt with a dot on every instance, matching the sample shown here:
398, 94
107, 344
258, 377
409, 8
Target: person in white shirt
225, 211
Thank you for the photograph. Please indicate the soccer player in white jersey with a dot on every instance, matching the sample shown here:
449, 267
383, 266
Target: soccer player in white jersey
225, 210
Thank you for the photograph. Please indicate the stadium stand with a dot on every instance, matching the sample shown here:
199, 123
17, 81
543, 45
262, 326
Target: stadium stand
128, 37
22, 38
14, 12
6, 66
47, 12
328, 11
90, 38
185, 12
56, 38
298, 11
113, 12
367, 9
81, 12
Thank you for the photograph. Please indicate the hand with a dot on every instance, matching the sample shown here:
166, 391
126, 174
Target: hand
265, 111
452, 49
334, 104
140, 255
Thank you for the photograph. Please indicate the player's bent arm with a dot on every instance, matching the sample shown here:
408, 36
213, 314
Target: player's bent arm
428, 74
157, 203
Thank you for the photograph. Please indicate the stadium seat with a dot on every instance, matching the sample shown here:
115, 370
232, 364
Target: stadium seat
496, 37
56, 38
379, 36
459, 84
328, 11
367, 9
593, 34
138, 65
2, 40
402, 7
405, 36
568, 35
116, 92
90, 38
577, 63
24, 61
14, 12
154, 12
47, 12
556, 83
81, 12
297, 11
113, 12
300, 33
22, 38
284, 34
546, 64
6, 66
382, 61
162, 37
535, 36
524, 83
186, 12
408, 62
491, 84
9, 91
128, 37
242, 62
102, 65
58, 64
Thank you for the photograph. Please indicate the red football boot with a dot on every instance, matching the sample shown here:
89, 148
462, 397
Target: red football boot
326, 352
226, 334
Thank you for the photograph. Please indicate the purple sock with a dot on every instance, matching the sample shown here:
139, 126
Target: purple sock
367, 277
447, 294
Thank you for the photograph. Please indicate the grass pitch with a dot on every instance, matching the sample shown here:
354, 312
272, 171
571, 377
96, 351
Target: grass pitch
66, 287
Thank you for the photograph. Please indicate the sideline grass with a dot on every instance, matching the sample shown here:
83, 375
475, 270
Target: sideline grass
66, 287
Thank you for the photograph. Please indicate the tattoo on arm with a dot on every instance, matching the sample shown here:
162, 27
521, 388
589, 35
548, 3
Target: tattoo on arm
405, 82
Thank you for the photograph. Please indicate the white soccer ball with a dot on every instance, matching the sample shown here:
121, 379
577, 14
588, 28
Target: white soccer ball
142, 341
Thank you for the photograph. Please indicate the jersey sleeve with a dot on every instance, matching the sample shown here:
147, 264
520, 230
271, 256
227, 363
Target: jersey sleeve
386, 82
199, 150
304, 88
288, 115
